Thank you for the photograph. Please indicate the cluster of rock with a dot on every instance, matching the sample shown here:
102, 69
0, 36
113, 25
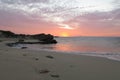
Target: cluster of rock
6, 34
43, 38
9, 34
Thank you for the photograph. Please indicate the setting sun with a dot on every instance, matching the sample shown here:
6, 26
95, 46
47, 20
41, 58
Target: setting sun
64, 35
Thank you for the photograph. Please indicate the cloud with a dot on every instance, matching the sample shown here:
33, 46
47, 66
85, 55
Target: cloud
65, 26
23, 1
55, 8
99, 16
116, 3
99, 22
65, 14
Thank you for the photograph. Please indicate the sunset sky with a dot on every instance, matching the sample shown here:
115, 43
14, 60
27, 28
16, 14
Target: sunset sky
61, 17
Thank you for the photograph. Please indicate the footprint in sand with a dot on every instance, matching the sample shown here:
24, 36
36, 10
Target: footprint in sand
71, 66
24, 54
37, 58
44, 71
49, 56
55, 75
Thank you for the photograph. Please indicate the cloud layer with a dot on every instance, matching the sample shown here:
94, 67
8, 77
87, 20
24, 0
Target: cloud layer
86, 16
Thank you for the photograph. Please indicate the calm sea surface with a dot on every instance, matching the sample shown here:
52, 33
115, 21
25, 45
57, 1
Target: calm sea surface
108, 47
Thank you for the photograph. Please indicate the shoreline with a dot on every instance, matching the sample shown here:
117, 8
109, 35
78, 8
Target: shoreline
23, 64
92, 54
106, 55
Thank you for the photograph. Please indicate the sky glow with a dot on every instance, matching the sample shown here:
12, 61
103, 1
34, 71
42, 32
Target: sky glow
79, 17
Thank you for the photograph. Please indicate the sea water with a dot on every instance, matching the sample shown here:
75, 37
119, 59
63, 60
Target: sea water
108, 47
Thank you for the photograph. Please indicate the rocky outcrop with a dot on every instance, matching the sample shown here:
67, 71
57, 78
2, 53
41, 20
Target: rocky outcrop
7, 34
45, 38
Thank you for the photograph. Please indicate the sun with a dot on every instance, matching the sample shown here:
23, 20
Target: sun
64, 35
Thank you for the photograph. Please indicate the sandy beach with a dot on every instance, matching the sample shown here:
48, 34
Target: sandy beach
23, 64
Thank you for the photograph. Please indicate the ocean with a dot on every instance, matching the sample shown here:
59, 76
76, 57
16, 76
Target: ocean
108, 47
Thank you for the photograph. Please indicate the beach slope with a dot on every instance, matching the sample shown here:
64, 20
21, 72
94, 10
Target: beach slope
23, 64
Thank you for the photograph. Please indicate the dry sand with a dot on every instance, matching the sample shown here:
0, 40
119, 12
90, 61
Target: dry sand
22, 64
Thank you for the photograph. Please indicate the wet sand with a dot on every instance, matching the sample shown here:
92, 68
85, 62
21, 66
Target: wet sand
23, 64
